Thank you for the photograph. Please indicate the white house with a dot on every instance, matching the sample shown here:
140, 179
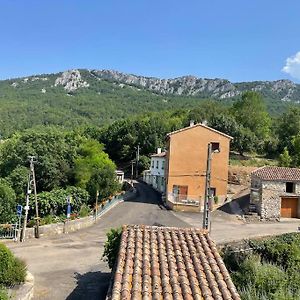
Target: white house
120, 176
156, 175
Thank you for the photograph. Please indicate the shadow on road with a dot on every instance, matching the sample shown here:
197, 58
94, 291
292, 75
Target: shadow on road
237, 206
144, 194
91, 285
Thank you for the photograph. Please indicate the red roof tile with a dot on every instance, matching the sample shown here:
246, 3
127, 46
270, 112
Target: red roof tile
277, 173
169, 263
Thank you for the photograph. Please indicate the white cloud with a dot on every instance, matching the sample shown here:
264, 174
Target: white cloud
292, 66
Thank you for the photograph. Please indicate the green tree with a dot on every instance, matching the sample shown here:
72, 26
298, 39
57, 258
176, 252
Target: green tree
285, 159
250, 111
7, 203
288, 127
94, 170
296, 150
18, 181
55, 151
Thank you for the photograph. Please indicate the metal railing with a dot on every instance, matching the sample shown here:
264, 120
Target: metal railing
103, 207
9, 231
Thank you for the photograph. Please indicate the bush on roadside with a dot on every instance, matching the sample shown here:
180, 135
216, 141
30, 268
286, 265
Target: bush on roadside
84, 211
111, 246
3, 294
270, 271
12, 269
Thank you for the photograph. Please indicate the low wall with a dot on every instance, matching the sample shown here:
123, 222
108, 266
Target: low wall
73, 225
183, 206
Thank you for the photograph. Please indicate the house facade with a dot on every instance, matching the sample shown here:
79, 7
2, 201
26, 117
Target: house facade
156, 175
275, 192
186, 162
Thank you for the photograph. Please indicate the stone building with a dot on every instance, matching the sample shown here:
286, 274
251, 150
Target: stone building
275, 192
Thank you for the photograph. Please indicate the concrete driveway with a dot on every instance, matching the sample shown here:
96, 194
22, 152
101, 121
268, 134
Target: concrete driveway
226, 227
70, 266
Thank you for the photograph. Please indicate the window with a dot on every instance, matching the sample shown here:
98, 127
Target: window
290, 187
163, 165
212, 192
157, 164
180, 192
152, 164
215, 147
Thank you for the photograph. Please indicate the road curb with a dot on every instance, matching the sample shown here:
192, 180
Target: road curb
25, 291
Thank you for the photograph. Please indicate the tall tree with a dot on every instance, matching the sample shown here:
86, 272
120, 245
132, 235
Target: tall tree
7, 203
250, 111
94, 170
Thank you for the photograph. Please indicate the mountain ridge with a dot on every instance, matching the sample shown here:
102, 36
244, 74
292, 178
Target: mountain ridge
187, 85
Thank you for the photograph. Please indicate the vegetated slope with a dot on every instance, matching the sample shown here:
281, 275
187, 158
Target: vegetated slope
80, 97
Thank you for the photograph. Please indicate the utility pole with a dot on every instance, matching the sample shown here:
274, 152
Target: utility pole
137, 161
26, 208
31, 185
132, 171
206, 213
96, 210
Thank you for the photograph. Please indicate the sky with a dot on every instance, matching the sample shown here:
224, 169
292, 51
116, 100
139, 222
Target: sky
236, 40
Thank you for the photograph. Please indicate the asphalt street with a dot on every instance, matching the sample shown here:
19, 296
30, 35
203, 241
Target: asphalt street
70, 266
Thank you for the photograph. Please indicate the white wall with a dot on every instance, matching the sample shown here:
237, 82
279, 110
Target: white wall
157, 167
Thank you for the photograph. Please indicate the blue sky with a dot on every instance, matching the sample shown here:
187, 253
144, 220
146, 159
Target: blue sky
237, 40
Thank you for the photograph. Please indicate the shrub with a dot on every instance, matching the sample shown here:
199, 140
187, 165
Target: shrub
111, 246
84, 211
12, 269
3, 294
55, 202
216, 199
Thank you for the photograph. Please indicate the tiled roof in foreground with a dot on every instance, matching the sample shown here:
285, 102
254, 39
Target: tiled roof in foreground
169, 263
278, 173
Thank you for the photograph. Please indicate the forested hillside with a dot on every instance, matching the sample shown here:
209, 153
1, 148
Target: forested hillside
82, 97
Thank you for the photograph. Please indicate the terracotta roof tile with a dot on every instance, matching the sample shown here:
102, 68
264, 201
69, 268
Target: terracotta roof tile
277, 173
169, 263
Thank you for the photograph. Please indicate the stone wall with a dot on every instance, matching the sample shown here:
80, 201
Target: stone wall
272, 191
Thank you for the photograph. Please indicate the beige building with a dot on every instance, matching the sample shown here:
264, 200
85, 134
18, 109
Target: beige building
185, 167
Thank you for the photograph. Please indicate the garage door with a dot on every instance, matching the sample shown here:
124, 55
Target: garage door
289, 207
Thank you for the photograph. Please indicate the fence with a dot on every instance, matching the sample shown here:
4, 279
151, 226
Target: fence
104, 207
8, 231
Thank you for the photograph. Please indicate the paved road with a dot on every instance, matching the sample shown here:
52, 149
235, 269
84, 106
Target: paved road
70, 266
226, 227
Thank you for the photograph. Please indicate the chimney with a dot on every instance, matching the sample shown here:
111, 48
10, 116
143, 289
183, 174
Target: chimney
158, 150
192, 123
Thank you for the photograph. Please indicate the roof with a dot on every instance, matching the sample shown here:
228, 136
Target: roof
199, 125
169, 263
162, 154
277, 173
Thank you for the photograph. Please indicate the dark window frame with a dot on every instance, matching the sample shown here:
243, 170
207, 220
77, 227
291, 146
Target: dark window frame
290, 187
215, 147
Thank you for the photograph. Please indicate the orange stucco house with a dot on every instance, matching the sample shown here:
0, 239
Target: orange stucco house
186, 161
